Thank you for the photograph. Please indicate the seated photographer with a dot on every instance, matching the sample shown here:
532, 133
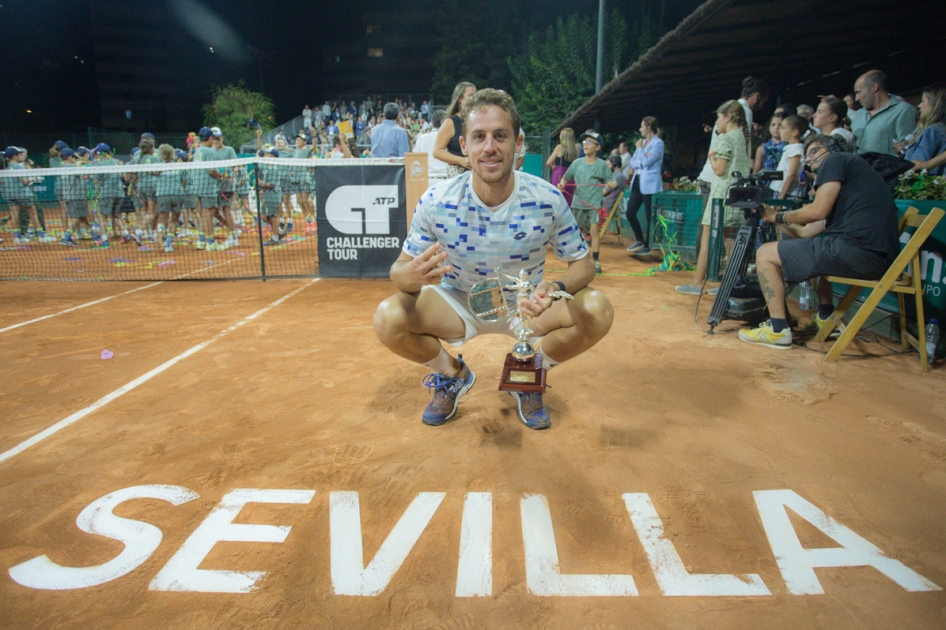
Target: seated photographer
854, 209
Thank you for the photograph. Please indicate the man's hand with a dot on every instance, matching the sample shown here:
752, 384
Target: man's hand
769, 213
259, 132
540, 301
427, 268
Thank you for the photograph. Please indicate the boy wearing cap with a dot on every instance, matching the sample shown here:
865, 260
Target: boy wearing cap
225, 181
110, 195
72, 195
170, 195
590, 175
19, 194
267, 181
302, 178
206, 189
146, 187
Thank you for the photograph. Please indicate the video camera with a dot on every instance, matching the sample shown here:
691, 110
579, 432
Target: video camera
749, 190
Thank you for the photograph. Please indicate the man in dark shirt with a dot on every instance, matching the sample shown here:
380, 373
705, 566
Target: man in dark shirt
854, 210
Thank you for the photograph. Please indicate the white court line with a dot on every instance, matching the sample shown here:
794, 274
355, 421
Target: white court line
76, 308
81, 306
121, 391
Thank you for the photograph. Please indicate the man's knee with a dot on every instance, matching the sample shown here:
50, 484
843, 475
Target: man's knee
391, 317
768, 253
594, 311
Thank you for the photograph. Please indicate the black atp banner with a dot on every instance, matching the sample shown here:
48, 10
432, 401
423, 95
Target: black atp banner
361, 213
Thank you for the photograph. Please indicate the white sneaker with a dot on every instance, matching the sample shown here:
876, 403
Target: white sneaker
46, 238
200, 245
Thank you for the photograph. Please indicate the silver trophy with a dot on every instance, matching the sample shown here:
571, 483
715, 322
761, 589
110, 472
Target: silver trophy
523, 369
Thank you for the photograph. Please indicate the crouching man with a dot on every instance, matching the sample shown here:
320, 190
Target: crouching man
854, 210
463, 228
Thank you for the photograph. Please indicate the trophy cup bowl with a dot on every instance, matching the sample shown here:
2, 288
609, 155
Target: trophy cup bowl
522, 370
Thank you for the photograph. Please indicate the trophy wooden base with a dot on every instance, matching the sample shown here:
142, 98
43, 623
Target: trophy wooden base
519, 376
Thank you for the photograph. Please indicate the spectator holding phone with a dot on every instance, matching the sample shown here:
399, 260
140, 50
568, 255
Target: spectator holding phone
929, 138
885, 117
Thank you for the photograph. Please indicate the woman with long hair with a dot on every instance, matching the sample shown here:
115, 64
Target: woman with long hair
562, 156
447, 148
929, 138
646, 166
730, 154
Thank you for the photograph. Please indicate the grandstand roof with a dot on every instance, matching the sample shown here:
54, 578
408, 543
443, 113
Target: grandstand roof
800, 47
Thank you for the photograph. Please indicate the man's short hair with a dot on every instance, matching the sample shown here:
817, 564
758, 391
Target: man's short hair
391, 111
615, 161
834, 144
437, 119
490, 96
875, 77
805, 110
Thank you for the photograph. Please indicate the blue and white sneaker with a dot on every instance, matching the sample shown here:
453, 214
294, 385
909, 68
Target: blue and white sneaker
68, 242
532, 411
447, 391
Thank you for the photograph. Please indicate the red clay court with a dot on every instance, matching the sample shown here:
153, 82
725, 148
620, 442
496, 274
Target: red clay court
252, 457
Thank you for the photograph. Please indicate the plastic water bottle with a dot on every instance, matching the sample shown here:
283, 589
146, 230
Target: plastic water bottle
932, 339
804, 298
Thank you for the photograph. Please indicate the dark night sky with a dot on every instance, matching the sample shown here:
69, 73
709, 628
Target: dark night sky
43, 43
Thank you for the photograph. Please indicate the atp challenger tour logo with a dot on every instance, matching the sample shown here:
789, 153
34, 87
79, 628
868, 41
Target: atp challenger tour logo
474, 574
360, 210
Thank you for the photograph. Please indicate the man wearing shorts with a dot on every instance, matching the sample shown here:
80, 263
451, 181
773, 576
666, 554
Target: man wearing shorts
463, 228
855, 211
590, 174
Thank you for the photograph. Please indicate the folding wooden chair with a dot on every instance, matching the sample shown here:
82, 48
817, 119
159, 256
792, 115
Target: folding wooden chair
902, 277
614, 211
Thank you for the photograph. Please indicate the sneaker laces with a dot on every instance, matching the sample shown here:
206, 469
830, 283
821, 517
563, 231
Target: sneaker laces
442, 384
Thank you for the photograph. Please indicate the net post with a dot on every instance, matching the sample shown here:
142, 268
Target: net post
259, 223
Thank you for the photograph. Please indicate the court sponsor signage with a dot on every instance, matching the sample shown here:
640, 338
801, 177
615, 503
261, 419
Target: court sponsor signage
361, 214
474, 574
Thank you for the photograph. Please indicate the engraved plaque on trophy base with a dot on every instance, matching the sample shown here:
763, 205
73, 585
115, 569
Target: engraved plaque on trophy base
523, 376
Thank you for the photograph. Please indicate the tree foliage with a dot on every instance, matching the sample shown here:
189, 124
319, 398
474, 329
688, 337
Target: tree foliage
556, 71
232, 106
474, 44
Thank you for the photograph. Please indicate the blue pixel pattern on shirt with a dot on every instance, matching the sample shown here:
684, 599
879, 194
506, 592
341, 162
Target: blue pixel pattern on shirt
478, 240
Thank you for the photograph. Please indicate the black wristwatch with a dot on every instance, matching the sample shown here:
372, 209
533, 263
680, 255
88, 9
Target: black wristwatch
561, 287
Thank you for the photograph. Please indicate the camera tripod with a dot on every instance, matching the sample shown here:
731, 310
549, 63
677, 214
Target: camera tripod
739, 296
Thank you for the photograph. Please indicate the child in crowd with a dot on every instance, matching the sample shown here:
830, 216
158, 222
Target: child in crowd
71, 191
145, 187
189, 201
169, 192
730, 154
110, 195
19, 195
268, 179
770, 152
590, 175
791, 131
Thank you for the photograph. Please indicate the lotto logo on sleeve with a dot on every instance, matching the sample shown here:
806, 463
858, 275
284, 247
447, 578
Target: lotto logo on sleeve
362, 209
